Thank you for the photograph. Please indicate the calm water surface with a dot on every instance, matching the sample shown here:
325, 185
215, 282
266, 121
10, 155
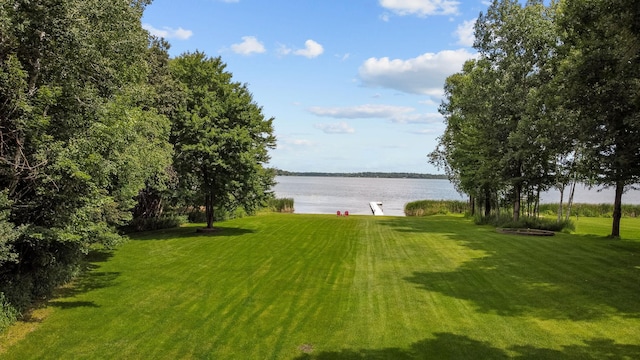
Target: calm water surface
326, 195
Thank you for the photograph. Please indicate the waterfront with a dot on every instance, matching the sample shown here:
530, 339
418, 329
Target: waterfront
326, 195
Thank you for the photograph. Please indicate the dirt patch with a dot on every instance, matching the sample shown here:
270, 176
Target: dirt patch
306, 348
530, 232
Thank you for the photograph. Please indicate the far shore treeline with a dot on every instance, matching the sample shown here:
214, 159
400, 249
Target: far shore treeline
387, 175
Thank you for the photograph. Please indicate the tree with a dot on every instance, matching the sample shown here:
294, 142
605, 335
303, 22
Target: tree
79, 134
600, 80
221, 137
519, 44
500, 133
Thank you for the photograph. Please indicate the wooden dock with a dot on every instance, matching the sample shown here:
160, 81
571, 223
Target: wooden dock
376, 208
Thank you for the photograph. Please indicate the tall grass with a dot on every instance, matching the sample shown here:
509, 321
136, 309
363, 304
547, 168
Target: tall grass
435, 207
283, 205
592, 210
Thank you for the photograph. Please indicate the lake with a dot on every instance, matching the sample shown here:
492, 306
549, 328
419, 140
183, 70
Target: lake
326, 195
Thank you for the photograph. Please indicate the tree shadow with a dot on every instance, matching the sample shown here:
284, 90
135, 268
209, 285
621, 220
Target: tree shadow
88, 280
453, 346
566, 277
189, 231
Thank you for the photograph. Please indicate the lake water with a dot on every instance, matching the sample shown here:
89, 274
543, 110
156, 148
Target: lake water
326, 195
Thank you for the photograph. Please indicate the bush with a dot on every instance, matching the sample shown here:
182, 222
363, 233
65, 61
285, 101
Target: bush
283, 205
8, 313
435, 207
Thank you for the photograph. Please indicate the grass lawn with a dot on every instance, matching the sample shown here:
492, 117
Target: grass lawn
284, 286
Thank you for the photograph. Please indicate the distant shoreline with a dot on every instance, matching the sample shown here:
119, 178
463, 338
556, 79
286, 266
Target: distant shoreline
387, 175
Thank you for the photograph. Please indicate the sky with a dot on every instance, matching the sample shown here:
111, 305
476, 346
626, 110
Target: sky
353, 85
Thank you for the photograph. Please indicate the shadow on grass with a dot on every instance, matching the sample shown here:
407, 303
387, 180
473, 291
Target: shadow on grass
190, 231
452, 346
566, 277
89, 279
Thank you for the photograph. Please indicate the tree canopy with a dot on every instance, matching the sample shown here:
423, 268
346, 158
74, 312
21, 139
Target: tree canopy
552, 96
98, 125
221, 137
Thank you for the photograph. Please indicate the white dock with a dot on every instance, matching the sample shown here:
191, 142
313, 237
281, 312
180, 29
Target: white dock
376, 208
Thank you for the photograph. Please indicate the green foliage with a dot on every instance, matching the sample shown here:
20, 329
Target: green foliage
283, 205
80, 135
221, 138
599, 79
8, 313
435, 207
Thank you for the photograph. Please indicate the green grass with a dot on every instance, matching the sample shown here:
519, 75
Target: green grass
284, 286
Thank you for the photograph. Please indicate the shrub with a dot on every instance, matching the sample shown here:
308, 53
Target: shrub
435, 207
8, 313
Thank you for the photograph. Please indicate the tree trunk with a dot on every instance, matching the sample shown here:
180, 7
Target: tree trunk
487, 203
561, 188
617, 210
208, 199
472, 204
570, 202
516, 202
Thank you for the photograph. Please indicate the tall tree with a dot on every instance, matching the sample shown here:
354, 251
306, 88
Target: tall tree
518, 42
221, 137
79, 134
600, 79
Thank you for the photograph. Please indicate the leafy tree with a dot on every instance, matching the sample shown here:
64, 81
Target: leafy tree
519, 43
221, 138
601, 82
79, 134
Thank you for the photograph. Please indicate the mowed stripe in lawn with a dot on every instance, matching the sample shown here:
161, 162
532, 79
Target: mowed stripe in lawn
284, 286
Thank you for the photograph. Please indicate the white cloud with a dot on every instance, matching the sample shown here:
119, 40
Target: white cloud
424, 75
397, 114
288, 143
248, 46
312, 49
336, 128
421, 7
168, 33
283, 50
465, 33
366, 111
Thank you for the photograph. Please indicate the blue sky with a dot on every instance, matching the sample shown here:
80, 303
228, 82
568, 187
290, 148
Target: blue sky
353, 85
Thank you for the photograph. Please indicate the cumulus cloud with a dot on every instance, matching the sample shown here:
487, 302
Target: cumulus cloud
398, 114
168, 33
249, 45
312, 49
336, 128
424, 75
421, 7
465, 33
